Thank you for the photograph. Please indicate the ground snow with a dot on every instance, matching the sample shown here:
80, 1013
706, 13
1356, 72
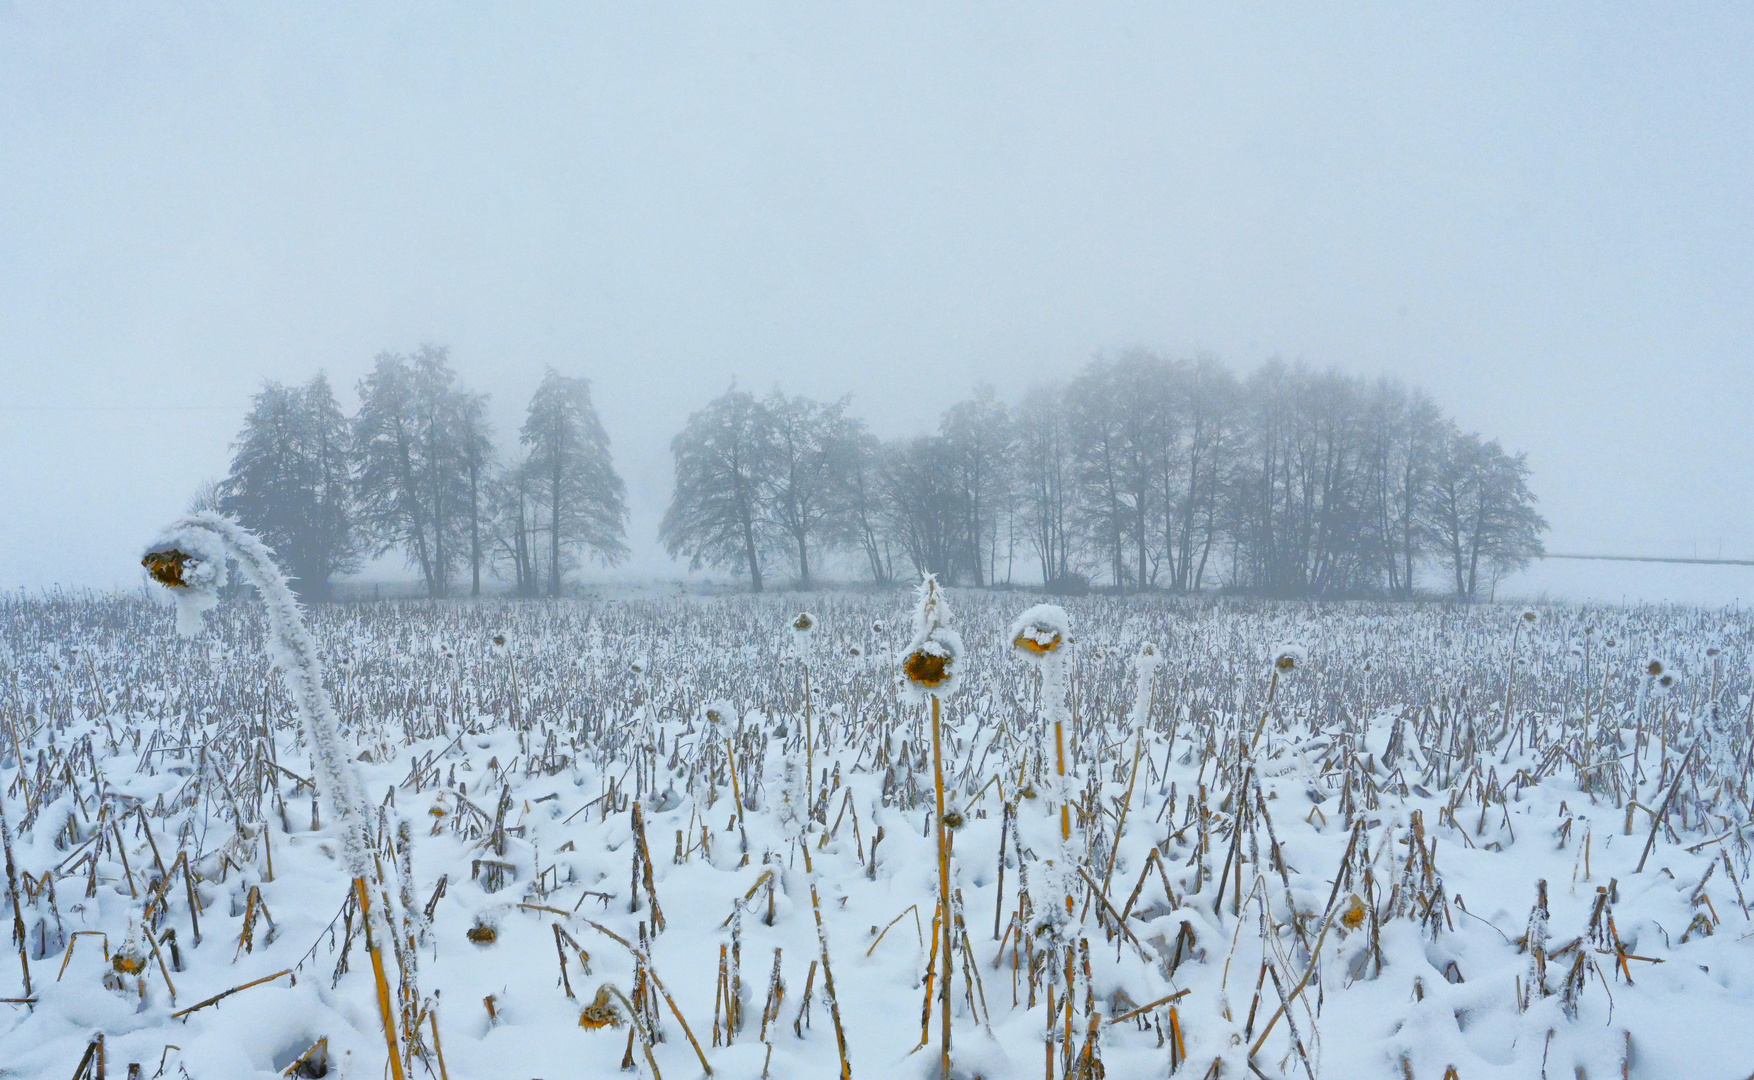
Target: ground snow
623, 689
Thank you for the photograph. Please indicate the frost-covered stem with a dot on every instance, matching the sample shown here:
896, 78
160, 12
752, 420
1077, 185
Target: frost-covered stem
840, 1035
361, 894
12, 890
737, 798
202, 543
943, 885
1266, 710
1144, 682
809, 753
1053, 693
211, 538
1510, 675
1144, 687
1114, 849
1663, 812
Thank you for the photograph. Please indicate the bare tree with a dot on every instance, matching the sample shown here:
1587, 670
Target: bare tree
575, 480
863, 525
1046, 475
475, 439
1119, 418
724, 462
514, 526
1480, 513
413, 480
1162, 473
979, 437
1197, 458
805, 495
923, 505
1405, 435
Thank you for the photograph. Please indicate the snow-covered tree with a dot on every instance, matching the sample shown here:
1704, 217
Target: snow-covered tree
412, 438
580, 494
806, 497
290, 482
724, 461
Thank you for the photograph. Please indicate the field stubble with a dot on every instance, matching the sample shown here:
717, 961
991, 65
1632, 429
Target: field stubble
679, 834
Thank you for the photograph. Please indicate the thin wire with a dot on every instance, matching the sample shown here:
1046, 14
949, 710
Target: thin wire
124, 408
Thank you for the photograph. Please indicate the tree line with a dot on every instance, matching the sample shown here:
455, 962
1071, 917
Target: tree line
1139, 472
415, 471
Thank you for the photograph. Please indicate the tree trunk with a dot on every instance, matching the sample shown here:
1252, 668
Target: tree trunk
749, 552
441, 574
554, 527
474, 529
411, 491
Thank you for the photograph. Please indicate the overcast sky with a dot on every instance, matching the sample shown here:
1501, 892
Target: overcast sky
1544, 217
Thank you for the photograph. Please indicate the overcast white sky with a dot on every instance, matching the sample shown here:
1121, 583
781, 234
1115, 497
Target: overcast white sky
1544, 217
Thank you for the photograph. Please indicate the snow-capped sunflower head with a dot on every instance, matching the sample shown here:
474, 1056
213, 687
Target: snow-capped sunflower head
803, 627
189, 561
1661, 675
165, 565
1529, 615
931, 669
930, 664
719, 714
1147, 658
1041, 631
1290, 657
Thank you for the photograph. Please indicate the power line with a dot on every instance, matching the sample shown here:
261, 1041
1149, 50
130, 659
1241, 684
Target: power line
124, 408
1651, 558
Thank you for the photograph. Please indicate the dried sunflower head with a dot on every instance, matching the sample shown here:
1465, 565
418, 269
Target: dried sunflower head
166, 566
926, 668
601, 1012
1288, 658
1041, 631
929, 662
189, 560
128, 963
1353, 917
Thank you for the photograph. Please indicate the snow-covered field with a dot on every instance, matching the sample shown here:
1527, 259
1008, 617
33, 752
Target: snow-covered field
633, 811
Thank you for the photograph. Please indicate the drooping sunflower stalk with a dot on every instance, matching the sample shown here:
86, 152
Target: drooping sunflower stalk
189, 558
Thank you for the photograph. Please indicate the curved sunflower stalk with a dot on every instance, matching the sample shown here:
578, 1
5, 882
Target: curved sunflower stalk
189, 558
